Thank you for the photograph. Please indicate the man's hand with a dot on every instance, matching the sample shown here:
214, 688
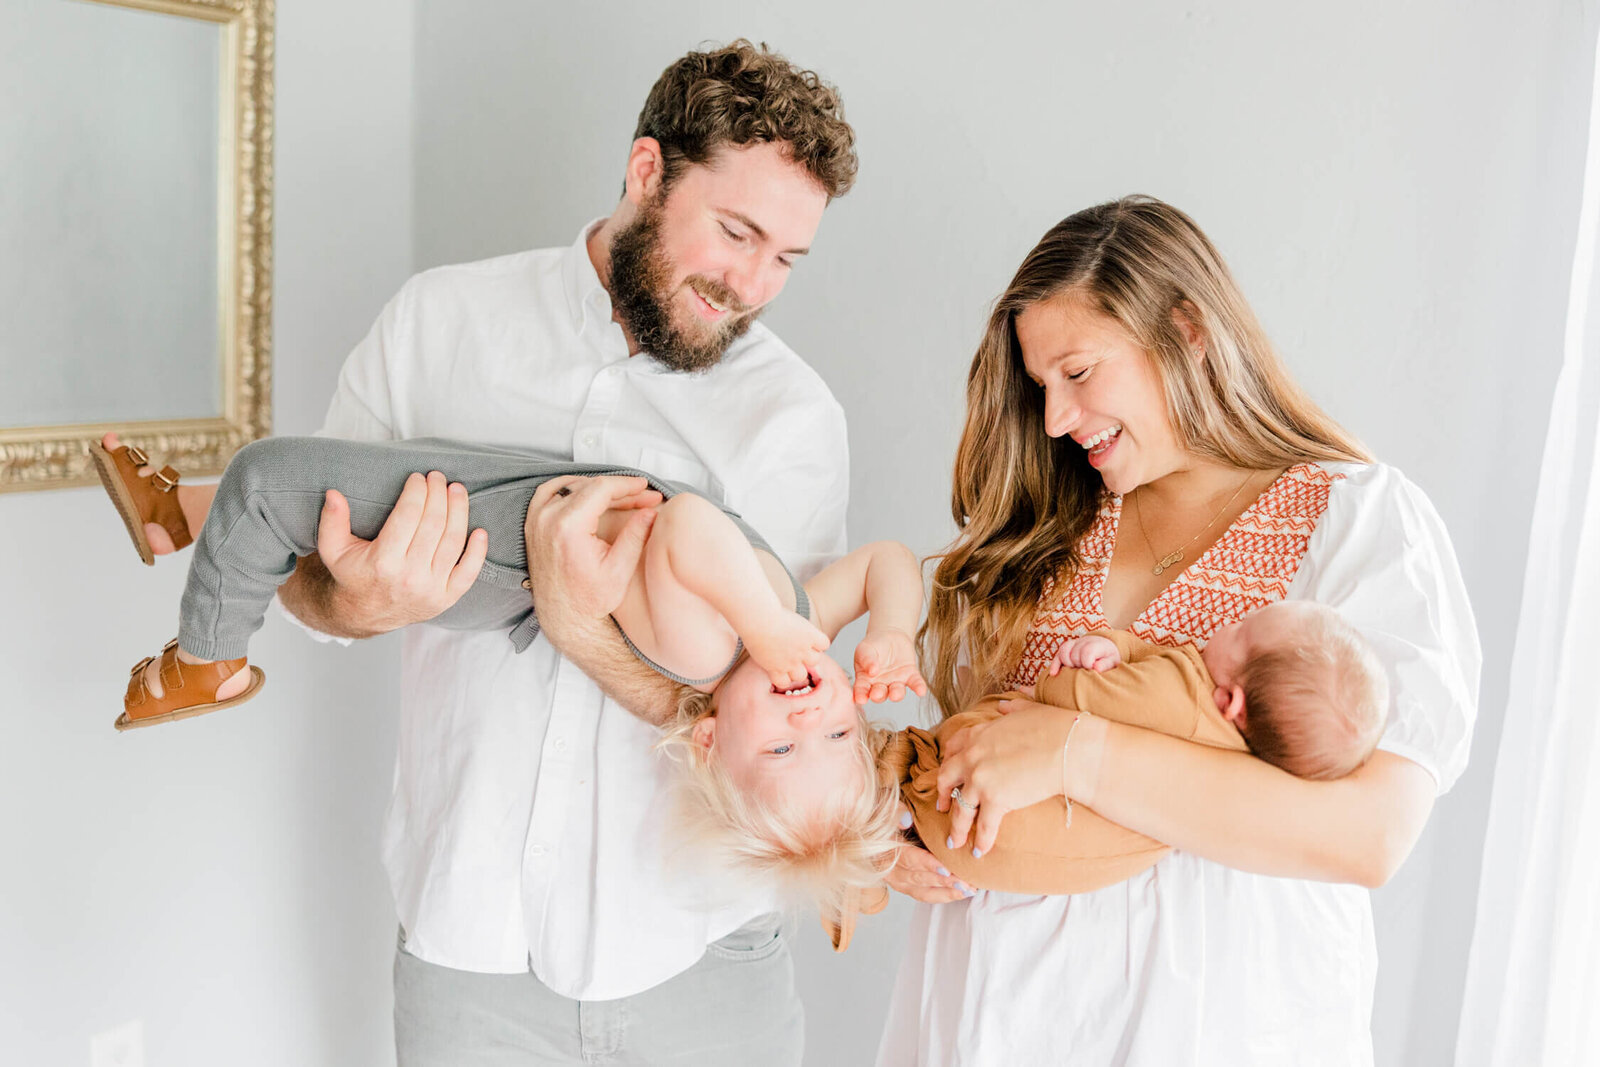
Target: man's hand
420, 563
571, 566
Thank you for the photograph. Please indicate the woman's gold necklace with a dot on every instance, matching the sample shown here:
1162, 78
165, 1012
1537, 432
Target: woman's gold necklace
1163, 562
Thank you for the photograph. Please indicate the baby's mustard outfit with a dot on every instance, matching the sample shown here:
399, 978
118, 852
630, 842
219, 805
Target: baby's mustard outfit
1155, 687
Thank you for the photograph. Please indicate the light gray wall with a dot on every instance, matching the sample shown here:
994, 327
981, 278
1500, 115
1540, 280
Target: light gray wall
1395, 186
217, 879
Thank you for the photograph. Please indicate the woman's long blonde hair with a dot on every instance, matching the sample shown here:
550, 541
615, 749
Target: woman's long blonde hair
1021, 499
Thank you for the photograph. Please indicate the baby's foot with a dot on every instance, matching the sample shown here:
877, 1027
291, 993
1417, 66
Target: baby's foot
237, 682
160, 540
784, 646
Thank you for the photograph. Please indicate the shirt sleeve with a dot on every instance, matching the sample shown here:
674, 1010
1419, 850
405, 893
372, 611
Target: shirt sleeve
1380, 556
363, 405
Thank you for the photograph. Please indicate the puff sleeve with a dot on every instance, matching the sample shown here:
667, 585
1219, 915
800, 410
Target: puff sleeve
1380, 556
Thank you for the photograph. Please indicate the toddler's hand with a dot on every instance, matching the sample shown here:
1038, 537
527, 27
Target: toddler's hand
886, 666
1087, 653
785, 648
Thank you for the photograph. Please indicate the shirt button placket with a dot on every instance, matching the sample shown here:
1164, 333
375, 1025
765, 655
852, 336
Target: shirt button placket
552, 799
588, 441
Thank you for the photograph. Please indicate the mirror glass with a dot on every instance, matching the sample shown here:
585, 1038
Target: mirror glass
110, 214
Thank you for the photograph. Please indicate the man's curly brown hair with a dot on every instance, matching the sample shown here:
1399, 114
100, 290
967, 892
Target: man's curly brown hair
745, 94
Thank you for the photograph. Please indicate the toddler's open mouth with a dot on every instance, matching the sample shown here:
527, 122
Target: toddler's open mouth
811, 682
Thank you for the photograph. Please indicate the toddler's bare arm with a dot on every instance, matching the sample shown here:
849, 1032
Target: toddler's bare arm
884, 581
702, 584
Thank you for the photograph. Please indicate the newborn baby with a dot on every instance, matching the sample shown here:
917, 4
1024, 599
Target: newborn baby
1293, 683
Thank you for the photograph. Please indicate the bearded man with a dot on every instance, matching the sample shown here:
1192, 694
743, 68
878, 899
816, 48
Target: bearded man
540, 920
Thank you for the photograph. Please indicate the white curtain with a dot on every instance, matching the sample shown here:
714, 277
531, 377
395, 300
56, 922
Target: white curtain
1533, 983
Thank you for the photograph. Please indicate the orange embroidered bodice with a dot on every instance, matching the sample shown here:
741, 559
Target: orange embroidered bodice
1249, 566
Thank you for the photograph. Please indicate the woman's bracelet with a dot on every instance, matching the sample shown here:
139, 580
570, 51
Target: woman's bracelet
1064, 747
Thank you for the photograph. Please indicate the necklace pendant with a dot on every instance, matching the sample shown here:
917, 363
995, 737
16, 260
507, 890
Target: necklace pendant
1168, 561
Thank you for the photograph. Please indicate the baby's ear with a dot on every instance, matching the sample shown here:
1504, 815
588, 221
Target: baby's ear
1230, 701
705, 732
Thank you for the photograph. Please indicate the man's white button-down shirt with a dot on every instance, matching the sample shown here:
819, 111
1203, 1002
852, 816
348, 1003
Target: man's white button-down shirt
528, 823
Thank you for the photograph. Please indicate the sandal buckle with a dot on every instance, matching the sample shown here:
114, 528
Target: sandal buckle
164, 481
136, 454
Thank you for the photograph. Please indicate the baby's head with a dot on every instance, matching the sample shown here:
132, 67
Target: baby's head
786, 784
1302, 686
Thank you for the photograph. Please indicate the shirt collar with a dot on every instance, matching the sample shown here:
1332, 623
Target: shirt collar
585, 295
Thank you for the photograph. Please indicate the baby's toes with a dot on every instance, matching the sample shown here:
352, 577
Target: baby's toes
152, 679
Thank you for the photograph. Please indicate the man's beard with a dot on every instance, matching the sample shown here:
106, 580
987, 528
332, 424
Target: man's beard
642, 292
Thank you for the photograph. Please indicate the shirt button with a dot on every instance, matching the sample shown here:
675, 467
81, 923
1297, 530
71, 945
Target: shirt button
590, 440
536, 850
561, 744
527, 583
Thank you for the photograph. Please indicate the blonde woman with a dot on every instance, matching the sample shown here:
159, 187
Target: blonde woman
1136, 457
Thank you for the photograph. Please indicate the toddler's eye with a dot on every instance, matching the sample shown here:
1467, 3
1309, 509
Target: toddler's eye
839, 735
781, 750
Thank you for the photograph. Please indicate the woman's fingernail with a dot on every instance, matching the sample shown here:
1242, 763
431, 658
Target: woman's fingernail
966, 890
977, 853
905, 820
944, 872
950, 843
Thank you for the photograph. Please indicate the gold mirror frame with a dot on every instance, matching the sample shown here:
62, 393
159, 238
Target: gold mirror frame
55, 457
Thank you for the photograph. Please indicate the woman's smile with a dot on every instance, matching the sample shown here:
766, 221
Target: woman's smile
1100, 445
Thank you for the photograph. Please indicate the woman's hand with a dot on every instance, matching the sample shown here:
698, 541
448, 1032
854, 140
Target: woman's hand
1002, 766
919, 875
886, 666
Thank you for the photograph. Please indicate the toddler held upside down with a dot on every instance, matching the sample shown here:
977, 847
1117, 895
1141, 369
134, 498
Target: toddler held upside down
784, 777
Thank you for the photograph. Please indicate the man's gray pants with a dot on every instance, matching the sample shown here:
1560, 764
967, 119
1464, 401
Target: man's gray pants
269, 503
737, 1007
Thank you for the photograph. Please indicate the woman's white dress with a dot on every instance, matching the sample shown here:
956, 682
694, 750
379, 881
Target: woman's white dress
1192, 962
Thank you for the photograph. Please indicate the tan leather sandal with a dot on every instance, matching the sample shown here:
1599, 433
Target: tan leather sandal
141, 499
188, 689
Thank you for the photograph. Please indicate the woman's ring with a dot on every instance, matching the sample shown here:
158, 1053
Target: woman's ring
966, 805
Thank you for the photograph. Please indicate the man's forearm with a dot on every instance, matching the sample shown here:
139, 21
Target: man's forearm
309, 595
596, 647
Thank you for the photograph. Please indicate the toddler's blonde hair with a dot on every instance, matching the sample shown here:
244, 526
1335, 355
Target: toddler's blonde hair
1315, 700
821, 856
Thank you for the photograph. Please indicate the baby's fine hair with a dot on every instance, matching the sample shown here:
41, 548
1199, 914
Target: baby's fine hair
820, 856
1316, 701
